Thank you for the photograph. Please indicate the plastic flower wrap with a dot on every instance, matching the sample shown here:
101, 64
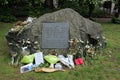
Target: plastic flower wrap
27, 59
51, 59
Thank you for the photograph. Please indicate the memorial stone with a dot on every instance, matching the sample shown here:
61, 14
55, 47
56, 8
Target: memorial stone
53, 30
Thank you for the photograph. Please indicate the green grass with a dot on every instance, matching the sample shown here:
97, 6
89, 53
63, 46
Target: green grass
107, 67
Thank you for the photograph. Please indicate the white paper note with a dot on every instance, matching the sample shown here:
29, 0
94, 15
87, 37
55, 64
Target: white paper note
39, 58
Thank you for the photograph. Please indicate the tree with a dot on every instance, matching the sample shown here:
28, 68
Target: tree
77, 5
91, 6
3, 2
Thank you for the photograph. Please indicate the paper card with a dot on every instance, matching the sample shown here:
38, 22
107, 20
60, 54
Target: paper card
39, 58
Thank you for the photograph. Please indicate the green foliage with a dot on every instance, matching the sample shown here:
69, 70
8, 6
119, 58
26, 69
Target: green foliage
35, 3
116, 20
38, 11
7, 2
91, 1
68, 4
7, 18
117, 3
98, 13
35, 11
20, 11
3, 2
36, 8
77, 5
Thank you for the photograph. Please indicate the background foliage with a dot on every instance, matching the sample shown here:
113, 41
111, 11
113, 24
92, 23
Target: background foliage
10, 10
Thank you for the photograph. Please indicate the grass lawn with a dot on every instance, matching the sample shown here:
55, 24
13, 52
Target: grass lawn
107, 67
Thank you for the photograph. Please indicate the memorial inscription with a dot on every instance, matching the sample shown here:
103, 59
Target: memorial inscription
55, 35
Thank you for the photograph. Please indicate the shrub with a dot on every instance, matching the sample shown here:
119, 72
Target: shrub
38, 11
100, 13
7, 18
116, 20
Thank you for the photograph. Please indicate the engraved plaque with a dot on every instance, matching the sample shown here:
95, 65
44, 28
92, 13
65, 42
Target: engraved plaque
55, 35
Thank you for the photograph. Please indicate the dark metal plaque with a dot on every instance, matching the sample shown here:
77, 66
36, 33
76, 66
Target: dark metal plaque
55, 35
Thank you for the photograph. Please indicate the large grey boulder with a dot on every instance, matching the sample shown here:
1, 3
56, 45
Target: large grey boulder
80, 27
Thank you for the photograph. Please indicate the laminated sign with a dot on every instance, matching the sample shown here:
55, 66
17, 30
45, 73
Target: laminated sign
55, 35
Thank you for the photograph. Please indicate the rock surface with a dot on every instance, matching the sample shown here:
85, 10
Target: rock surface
80, 27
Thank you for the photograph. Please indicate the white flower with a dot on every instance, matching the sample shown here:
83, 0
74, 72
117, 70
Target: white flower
12, 29
100, 44
98, 37
87, 46
87, 42
36, 42
10, 43
28, 42
81, 41
103, 37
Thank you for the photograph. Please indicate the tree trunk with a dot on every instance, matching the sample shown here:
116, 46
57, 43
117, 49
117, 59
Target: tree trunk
91, 8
